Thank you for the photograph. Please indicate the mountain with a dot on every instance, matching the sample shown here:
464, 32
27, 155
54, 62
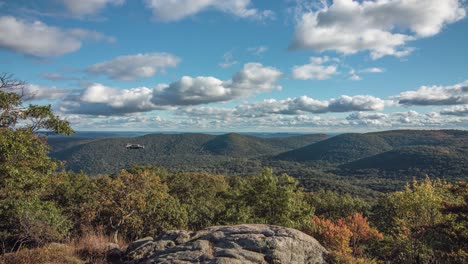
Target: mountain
345, 148
432, 159
193, 151
338, 149
402, 138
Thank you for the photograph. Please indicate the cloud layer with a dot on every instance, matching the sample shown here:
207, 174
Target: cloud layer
383, 27
315, 70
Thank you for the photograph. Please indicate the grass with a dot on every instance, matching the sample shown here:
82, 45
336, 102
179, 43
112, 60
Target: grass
90, 248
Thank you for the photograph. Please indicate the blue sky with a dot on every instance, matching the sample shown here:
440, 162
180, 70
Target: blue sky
242, 65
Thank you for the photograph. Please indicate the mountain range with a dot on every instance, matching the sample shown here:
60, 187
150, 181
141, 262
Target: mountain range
350, 156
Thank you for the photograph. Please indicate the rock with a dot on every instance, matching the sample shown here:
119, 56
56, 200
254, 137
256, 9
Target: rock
229, 245
136, 244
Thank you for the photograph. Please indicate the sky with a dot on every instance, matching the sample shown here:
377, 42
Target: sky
241, 65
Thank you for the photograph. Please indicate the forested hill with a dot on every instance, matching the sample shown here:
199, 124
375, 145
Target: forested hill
169, 150
350, 147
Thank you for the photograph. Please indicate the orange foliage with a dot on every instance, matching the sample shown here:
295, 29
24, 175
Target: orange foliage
345, 236
334, 236
362, 232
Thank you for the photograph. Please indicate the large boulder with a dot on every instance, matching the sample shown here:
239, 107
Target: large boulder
229, 244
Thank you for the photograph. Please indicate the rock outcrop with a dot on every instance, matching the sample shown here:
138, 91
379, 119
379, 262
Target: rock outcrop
228, 244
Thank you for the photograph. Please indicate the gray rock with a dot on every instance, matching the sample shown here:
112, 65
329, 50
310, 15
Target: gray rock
230, 245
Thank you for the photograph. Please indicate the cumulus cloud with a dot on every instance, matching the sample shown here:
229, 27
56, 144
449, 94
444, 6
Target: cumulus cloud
315, 70
173, 10
88, 7
363, 116
305, 104
383, 27
40, 40
98, 99
461, 110
435, 95
253, 78
131, 67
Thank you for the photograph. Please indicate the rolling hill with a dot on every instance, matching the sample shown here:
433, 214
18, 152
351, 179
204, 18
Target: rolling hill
431, 159
345, 148
338, 149
170, 150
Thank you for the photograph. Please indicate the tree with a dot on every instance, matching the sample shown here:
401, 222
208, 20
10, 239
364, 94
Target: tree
268, 199
417, 222
136, 204
26, 217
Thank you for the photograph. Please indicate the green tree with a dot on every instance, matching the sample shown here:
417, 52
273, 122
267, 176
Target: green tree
270, 199
413, 220
26, 217
136, 204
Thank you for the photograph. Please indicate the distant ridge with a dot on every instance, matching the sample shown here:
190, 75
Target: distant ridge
427, 158
349, 147
339, 149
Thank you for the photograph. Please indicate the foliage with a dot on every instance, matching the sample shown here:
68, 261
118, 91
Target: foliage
346, 237
137, 204
419, 224
267, 199
26, 217
199, 194
331, 205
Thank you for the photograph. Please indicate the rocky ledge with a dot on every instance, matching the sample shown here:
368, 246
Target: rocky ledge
225, 244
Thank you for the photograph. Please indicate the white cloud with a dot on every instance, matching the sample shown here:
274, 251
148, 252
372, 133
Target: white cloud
305, 104
383, 27
38, 92
315, 70
98, 99
372, 70
40, 40
253, 78
435, 95
56, 77
88, 7
258, 50
363, 115
461, 110
173, 10
228, 60
354, 76
346, 103
131, 67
